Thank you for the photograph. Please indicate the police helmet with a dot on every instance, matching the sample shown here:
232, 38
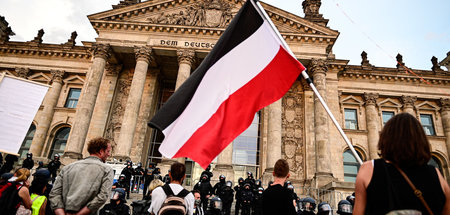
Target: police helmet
324, 209
151, 165
240, 181
344, 207
204, 177
29, 155
221, 177
40, 163
247, 185
308, 204
351, 199
139, 164
215, 203
249, 174
157, 171
118, 194
258, 183
56, 156
122, 177
260, 190
290, 186
229, 184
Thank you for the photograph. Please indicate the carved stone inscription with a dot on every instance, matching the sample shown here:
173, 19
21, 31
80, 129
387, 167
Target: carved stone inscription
292, 139
182, 43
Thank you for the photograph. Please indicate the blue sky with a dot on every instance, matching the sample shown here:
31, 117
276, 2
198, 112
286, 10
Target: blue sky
417, 29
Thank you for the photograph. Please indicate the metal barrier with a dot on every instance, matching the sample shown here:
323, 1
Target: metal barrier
332, 197
135, 183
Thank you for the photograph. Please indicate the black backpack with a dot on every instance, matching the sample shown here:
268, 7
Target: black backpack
174, 204
10, 199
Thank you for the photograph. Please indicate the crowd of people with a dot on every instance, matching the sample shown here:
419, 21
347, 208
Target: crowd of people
400, 182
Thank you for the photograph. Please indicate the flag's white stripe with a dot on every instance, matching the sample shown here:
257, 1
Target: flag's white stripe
226, 76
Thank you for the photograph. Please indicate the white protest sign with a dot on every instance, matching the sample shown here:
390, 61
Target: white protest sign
20, 100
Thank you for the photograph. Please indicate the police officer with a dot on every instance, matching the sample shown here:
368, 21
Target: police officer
53, 167
219, 185
121, 183
250, 180
247, 199
344, 207
238, 188
148, 177
205, 188
351, 199
214, 206
117, 204
128, 171
208, 172
28, 162
166, 178
138, 173
324, 209
257, 209
308, 206
226, 194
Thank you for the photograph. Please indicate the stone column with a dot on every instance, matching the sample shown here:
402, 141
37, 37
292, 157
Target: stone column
323, 173
224, 164
445, 115
46, 116
408, 104
372, 123
103, 104
273, 139
85, 105
186, 58
143, 58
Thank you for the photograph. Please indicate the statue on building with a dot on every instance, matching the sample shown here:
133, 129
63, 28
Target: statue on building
71, 42
38, 38
365, 61
436, 67
400, 63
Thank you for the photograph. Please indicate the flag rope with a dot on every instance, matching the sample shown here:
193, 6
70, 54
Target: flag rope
308, 80
407, 70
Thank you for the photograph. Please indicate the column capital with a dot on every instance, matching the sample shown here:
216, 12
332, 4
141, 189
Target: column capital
113, 69
445, 104
370, 98
408, 101
22, 72
57, 75
102, 50
144, 53
186, 56
319, 66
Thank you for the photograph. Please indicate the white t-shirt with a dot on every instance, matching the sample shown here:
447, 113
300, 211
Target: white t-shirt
158, 197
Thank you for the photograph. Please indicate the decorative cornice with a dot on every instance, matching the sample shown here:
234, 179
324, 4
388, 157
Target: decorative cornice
102, 50
445, 104
45, 50
57, 75
186, 56
22, 72
143, 53
408, 101
389, 75
370, 98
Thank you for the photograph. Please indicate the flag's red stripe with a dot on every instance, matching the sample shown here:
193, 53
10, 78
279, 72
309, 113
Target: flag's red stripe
236, 113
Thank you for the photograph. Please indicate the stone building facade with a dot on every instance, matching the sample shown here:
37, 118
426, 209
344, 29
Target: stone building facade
145, 50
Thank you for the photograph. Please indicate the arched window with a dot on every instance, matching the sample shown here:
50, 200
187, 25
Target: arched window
27, 142
351, 166
434, 161
59, 142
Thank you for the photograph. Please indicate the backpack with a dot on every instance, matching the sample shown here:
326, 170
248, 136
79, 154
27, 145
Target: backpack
174, 204
9, 198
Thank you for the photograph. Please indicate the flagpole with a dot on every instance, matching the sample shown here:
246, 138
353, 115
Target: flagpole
308, 80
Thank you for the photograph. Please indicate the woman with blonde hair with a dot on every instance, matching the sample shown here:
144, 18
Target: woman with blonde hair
386, 185
153, 185
22, 198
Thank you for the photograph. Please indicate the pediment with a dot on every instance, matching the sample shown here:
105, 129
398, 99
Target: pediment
7, 72
40, 77
389, 103
158, 15
351, 100
427, 106
74, 79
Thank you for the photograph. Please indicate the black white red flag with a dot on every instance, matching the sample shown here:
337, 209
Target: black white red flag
247, 69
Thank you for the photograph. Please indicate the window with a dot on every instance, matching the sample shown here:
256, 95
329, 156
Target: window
72, 99
436, 163
59, 142
245, 146
27, 142
351, 166
387, 115
350, 119
427, 124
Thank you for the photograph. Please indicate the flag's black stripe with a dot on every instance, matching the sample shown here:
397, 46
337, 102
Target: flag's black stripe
244, 24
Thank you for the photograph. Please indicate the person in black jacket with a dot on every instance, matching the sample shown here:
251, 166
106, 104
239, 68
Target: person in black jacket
9, 163
247, 199
28, 162
238, 188
117, 204
53, 167
257, 204
208, 172
205, 190
128, 171
122, 183
219, 185
226, 194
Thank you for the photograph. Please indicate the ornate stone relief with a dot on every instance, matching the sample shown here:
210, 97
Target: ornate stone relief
186, 56
292, 139
22, 72
408, 101
208, 13
445, 104
143, 53
370, 98
102, 50
118, 108
57, 75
